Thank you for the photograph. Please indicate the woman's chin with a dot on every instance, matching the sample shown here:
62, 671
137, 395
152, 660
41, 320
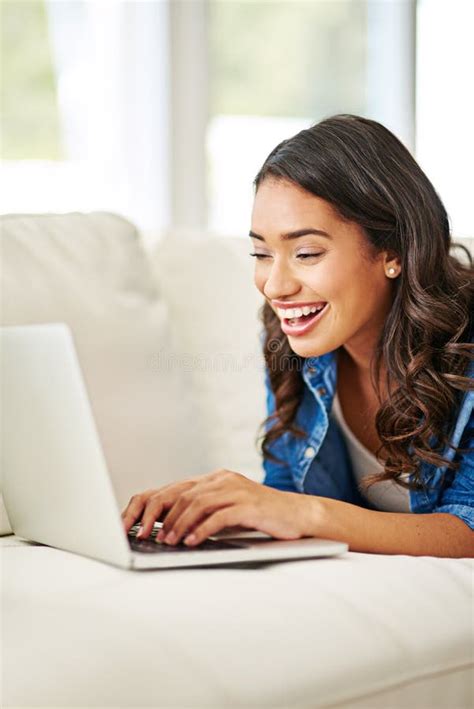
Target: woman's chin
306, 349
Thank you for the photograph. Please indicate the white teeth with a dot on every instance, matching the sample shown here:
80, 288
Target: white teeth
290, 313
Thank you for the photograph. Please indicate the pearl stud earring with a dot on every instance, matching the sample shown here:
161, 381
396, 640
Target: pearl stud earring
391, 271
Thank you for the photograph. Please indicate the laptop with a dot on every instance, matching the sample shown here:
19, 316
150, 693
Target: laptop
56, 486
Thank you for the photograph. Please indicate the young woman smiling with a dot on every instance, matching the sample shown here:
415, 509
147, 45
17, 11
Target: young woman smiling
368, 344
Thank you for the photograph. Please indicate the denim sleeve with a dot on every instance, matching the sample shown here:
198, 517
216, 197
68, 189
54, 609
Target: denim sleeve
458, 498
277, 475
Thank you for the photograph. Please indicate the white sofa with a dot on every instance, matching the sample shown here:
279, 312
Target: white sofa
359, 630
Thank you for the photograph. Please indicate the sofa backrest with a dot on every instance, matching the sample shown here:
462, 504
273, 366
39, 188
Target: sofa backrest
138, 318
214, 308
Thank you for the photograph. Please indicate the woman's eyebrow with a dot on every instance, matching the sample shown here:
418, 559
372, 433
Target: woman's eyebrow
294, 234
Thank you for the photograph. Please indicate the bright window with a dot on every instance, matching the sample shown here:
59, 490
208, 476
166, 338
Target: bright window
275, 68
30, 129
85, 106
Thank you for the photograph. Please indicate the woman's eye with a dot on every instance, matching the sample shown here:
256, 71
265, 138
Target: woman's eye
302, 256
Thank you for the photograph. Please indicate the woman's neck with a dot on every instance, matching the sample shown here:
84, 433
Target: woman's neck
358, 371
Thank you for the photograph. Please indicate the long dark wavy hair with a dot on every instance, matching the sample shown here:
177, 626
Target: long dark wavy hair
370, 178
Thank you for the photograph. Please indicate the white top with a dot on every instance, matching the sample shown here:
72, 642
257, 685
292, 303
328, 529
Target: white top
385, 495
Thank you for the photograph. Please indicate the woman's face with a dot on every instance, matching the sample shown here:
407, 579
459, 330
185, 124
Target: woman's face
332, 267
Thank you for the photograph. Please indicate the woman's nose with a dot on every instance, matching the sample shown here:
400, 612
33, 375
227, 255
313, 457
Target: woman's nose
280, 283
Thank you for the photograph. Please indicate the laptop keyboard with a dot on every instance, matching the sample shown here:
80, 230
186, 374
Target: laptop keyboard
149, 546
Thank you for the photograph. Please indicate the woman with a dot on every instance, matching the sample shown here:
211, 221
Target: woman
368, 344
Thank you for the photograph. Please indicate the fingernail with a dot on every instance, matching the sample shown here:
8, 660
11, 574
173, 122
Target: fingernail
170, 539
190, 539
139, 532
160, 536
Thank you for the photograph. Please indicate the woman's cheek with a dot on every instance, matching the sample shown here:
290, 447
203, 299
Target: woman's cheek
259, 281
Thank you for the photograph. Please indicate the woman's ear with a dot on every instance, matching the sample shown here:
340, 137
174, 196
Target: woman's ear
391, 265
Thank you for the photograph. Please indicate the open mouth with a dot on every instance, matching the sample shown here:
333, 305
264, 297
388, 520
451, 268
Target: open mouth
302, 319
302, 324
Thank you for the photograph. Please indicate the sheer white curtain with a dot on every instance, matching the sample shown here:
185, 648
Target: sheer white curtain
391, 57
445, 105
113, 87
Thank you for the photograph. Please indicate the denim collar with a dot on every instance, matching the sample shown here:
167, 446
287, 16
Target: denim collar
320, 374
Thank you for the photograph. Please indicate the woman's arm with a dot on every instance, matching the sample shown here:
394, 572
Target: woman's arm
225, 500
433, 534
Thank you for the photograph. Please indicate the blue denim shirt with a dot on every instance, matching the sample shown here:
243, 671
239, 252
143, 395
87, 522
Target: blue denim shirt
320, 464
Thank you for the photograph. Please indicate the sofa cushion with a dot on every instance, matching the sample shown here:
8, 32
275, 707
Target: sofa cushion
359, 630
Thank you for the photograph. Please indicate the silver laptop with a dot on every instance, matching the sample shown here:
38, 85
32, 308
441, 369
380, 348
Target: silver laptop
56, 486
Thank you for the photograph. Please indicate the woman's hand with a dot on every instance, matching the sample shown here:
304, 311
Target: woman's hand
209, 503
149, 505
